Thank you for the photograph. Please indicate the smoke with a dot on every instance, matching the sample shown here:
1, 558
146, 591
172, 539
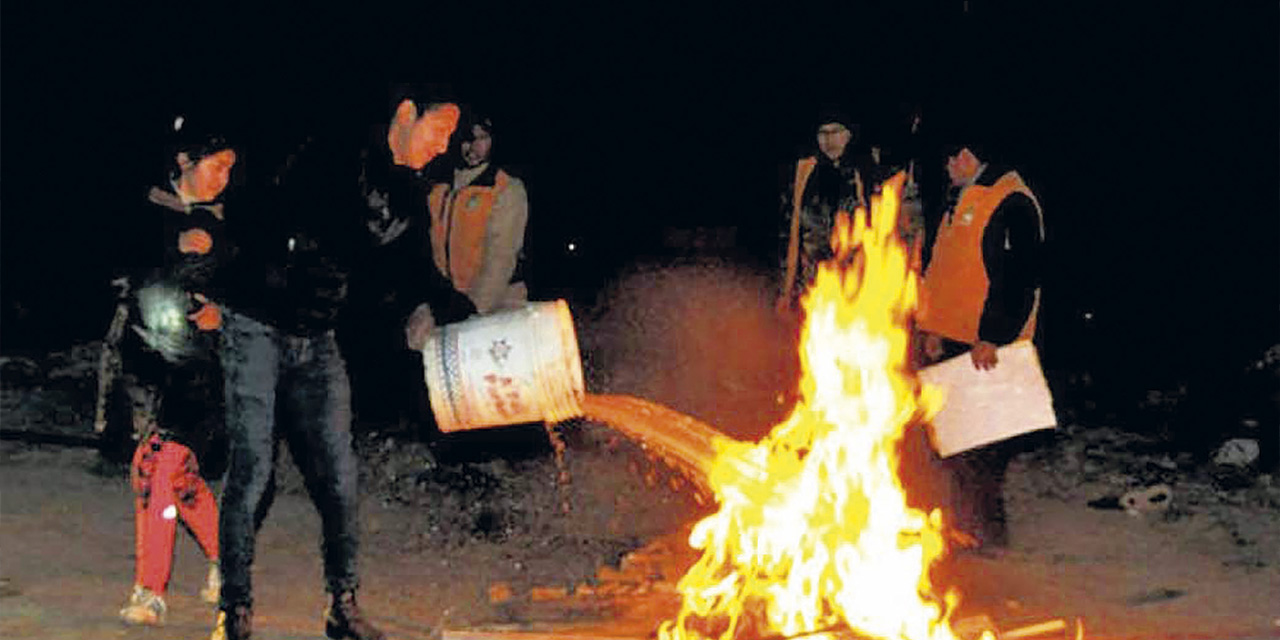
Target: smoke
700, 337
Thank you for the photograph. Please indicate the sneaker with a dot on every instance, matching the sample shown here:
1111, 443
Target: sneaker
234, 625
212, 585
219, 627
343, 620
145, 607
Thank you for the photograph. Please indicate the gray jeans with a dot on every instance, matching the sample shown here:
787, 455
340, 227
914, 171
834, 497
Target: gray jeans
303, 381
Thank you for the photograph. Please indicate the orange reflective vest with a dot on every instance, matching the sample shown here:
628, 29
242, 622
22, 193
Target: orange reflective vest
955, 284
804, 168
458, 223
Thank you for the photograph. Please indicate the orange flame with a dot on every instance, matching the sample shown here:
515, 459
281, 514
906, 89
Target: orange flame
813, 533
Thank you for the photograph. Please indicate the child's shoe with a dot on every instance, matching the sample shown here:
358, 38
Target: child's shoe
145, 607
212, 584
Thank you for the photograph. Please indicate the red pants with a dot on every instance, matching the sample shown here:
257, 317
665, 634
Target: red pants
167, 482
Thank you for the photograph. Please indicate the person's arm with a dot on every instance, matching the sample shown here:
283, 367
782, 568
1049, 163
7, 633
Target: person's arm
504, 237
435, 302
428, 298
1011, 254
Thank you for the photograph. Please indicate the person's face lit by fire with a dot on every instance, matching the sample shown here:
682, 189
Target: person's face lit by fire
203, 180
415, 141
431, 135
476, 150
833, 137
962, 167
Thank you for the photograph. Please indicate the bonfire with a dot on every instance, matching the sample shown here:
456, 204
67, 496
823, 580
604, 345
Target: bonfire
813, 535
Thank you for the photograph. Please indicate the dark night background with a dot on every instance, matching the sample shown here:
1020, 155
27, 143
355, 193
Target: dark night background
1149, 133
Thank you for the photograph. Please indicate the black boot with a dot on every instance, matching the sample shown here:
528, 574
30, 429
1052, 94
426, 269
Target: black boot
343, 620
234, 624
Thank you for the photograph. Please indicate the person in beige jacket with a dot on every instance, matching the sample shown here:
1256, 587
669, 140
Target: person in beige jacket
477, 230
478, 225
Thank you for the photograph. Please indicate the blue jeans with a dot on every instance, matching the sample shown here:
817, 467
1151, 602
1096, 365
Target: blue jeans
303, 381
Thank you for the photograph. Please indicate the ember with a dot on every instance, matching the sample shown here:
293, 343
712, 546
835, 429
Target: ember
813, 533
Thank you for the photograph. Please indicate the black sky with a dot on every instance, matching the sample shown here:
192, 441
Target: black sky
1150, 133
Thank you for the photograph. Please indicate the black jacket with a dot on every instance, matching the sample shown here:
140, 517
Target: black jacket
302, 231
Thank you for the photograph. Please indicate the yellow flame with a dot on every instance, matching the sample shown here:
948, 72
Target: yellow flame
813, 532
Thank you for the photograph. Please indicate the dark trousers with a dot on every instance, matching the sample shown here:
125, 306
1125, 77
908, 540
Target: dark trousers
387, 386
977, 491
303, 380
969, 486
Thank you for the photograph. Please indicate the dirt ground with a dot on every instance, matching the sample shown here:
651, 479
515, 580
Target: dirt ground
470, 533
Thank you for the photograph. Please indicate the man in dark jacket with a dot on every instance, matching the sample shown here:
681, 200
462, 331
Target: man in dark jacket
399, 289
284, 289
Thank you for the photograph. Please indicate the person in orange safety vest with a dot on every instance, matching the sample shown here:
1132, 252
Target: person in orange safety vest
478, 225
982, 283
981, 290
826, 183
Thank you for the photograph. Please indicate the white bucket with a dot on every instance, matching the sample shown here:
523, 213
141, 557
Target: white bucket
507, 368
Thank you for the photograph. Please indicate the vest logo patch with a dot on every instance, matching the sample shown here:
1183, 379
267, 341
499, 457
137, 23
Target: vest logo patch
966, 216
473, 201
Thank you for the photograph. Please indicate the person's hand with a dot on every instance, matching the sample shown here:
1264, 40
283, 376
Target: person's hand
932, 346
419, 327
195, 240
984, 356
208, 317
456, 307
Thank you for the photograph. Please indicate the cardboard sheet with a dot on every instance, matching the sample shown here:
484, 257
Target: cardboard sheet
982, 407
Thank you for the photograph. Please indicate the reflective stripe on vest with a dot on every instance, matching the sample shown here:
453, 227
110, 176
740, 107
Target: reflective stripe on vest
804, 168
458, 225
955, 284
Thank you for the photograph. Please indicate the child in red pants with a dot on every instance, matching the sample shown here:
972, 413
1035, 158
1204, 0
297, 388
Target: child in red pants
167, 482
173, 408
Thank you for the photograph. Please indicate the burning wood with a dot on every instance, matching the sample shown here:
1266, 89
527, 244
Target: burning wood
975, 627
1040, 629
965, 629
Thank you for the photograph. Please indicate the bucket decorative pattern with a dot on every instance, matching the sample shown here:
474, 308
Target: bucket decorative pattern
507, 368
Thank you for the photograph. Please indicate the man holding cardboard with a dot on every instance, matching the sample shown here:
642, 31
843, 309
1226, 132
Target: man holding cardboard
981, 296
